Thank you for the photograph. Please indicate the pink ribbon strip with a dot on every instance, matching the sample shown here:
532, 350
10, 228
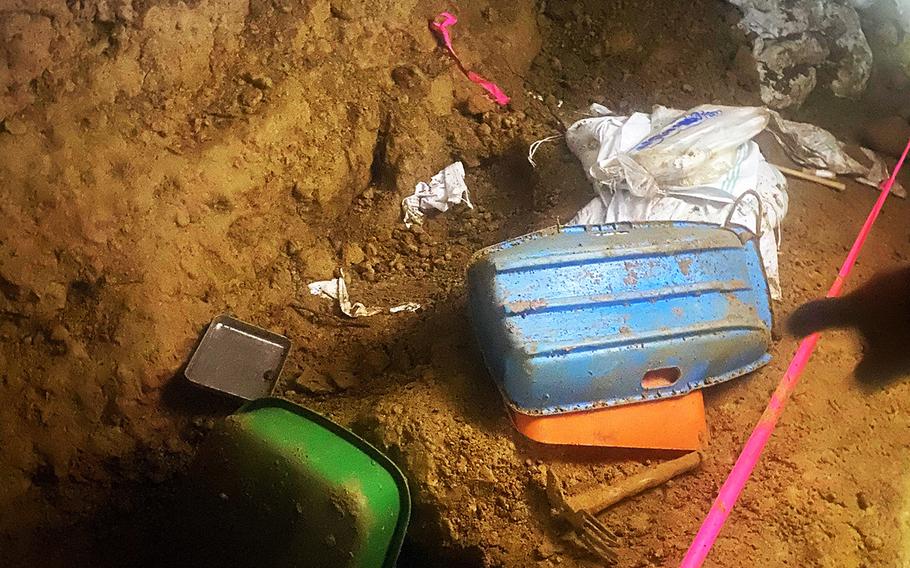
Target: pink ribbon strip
440, 26
748, 458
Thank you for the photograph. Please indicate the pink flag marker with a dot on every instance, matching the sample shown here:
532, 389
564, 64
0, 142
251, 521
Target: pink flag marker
748, 458
440, 26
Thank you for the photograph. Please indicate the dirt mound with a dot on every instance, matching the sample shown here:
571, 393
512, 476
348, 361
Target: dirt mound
163, 162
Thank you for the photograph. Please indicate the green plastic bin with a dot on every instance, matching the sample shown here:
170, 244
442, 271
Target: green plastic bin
280, 485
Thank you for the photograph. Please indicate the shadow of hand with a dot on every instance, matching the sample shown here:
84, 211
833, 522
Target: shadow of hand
880, 311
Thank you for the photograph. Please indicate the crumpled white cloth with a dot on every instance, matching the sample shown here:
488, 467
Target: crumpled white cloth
337, 289
447, 188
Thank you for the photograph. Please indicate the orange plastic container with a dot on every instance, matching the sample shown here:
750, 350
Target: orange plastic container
672, 424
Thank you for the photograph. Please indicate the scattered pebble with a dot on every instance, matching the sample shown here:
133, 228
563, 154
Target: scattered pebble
873, 542
478, 104
60, 334
344, 380
862, 501
353, 254
259, 81
15, 126
182, 218
250, 97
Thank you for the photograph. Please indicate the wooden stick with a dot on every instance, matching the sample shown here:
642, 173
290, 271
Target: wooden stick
810, 177
600, 498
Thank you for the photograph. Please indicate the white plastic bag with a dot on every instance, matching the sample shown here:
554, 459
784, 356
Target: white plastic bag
814, 147
682, 150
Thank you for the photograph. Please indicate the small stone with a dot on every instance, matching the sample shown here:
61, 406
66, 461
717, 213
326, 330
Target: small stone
545, 550
353, 254
478, 104
15, 126
369, 194
293, 248
59, 334
259, 81
639, 523
301, 193
484, 129
406, 76
487, 474
344, 380
182, 218
873, 542
77, 349
687, 88
55, 295
250, 97
313, 382
862, 501
831, 497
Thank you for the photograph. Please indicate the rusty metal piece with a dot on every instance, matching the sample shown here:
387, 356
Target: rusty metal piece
596, 538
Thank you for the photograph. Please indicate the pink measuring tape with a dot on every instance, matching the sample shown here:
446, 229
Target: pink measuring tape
745, 463
440, 26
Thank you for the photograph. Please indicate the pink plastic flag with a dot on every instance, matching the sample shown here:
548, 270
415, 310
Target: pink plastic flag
440, 26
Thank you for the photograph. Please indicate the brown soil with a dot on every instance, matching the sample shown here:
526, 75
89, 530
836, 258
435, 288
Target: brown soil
163, 162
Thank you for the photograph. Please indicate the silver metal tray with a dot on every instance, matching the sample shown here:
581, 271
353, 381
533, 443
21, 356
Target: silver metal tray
238, 359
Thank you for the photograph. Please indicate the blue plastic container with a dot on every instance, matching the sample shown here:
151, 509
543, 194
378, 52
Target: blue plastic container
585, 317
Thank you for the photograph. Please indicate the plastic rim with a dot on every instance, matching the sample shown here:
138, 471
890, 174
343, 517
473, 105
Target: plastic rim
401, 481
